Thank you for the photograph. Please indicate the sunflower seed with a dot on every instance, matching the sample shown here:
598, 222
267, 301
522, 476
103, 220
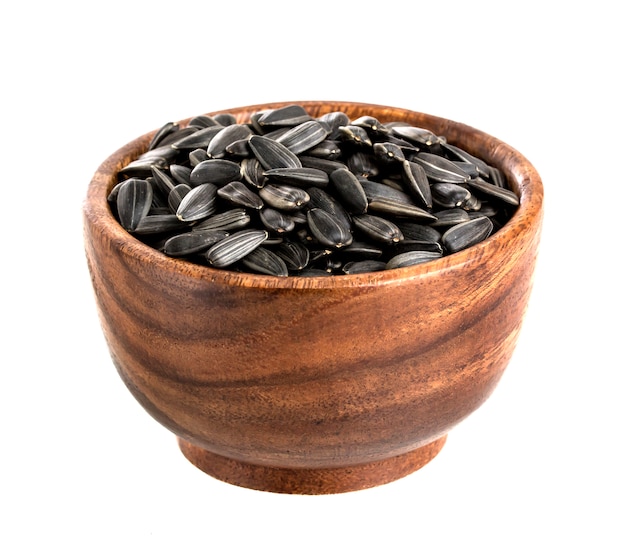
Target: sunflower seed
377, 228
363, 164
236, 218
204, 121
388, 152
215, 171
362, 250
263, 260
165, 130
376, 190
153, 224
197, 156
363, 266
450, 195
294, 254
326, 165
216, 149
142, 166
466, 234
418, 232
180, 173
327, 230
290, 115
272, 154
234, 247
457, 153
300, 177
198, 203
198, 139
225, 119
349, 190
239, 194
371, 125
176, 195
413, 257
253, 172
134, 198
276, 221
399, 208
494, 191
440, 169
355, 135
318, 198
449, 217
416, 182
415, 135
304, 136
192, 242
164, 183
334, 120
408, 245
284, 197
326, 149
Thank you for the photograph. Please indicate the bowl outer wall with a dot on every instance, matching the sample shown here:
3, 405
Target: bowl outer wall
315, 372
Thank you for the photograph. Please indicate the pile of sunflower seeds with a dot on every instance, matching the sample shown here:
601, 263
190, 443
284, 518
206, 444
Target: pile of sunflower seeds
290, 194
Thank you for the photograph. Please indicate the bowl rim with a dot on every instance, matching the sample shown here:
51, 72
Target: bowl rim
520, 172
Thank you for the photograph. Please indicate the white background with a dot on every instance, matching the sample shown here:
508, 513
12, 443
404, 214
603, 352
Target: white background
540, 465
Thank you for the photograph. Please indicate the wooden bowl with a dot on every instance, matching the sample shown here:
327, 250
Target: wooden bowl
315, 385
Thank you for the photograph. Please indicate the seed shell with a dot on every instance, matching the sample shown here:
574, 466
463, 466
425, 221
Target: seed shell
378, 229
272, 154
193, 242
263, 260
466, 234
134, 198
284, 197
234, 247
239, 194
198, 203
327, 229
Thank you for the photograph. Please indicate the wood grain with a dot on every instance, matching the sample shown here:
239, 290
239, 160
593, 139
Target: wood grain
306, 376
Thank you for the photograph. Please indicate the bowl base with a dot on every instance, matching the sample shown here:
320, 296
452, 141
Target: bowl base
310, 481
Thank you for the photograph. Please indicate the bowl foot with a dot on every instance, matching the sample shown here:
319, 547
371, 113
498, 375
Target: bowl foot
310, 481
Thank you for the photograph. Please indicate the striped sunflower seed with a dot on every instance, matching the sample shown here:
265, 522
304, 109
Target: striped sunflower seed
349, 190
377, 228
134, 198
363, 266
233, 248
466, 234
226, 136
276, 221
199, 139
272, 154
176, 195
192, 242
440, 169
216, 171
239, 194
303, 137
236, 218
199, 203
263, 260
295, 255
327, 229
413, 257
284, 197
300, 177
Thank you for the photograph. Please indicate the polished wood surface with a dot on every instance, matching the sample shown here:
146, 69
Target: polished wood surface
315, 377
